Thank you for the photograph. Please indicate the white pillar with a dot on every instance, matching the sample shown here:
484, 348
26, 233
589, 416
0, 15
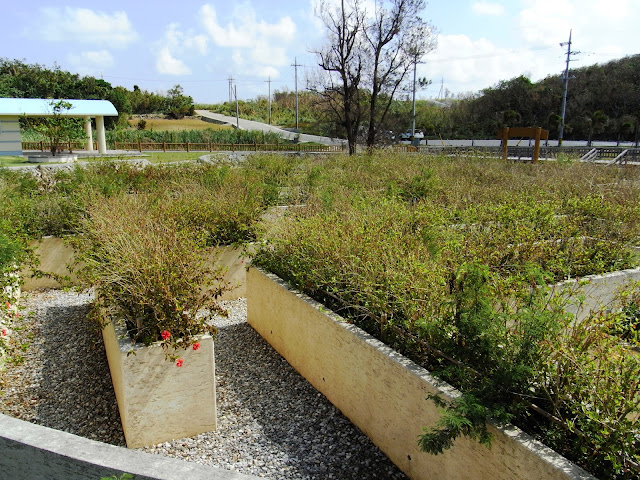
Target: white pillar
102, 141
89, 133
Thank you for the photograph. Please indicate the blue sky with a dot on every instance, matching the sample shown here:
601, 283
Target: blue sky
200, 44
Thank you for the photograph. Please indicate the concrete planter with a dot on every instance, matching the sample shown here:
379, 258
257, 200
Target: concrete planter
157, 400
384, 393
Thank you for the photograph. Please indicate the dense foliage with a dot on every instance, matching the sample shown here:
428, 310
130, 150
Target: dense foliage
448, 261
23, 80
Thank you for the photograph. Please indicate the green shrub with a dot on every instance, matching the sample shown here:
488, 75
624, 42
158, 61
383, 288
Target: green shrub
148, 269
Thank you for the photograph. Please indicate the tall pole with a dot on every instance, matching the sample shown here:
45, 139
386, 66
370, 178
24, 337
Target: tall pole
295, 65
235, 92
269, 82
566, 89
230, 88
413, 115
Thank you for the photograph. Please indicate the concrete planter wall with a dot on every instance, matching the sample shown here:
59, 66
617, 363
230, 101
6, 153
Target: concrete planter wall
157, 400
384, 393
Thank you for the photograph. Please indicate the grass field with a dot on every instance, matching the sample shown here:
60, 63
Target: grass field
187, 123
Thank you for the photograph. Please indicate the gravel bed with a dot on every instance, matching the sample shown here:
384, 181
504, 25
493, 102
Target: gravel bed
271, 421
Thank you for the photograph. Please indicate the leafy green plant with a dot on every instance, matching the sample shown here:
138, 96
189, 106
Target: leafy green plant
59, 127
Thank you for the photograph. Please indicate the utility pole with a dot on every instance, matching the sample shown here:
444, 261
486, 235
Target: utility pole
230, 88
295, 65
235, 92
566, 89
413, 115
269, 82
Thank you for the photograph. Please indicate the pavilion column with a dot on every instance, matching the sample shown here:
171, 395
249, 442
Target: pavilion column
89, 133
102, 141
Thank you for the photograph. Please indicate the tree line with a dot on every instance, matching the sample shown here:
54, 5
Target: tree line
23, 80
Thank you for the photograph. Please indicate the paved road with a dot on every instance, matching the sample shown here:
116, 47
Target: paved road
263, 127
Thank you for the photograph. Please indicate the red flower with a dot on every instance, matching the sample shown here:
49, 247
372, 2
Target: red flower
179, 362
196, 345
8, 305
4, 332
165, 334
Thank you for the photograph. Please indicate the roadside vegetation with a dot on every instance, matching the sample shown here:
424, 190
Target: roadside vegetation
447, 259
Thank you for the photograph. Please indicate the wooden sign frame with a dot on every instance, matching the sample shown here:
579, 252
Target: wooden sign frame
523, 132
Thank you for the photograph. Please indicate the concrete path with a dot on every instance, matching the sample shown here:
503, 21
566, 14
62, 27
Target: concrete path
263, 127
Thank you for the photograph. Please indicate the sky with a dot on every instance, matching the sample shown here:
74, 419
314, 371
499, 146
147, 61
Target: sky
201, 44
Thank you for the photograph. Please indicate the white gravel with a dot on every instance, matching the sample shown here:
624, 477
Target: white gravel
271, 421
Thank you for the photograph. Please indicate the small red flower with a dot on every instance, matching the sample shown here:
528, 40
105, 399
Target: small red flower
165, 334
179, 362
196, 345
8, 305
4, 332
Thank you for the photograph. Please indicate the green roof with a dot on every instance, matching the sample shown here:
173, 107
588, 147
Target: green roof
43, 107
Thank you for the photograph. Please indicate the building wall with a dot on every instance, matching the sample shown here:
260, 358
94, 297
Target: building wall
10, 140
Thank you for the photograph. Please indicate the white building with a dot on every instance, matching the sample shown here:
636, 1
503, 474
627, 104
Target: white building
11, 109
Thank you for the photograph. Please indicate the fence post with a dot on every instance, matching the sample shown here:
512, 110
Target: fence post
210, 148
140, 146
41, 146
164, 147
187, 147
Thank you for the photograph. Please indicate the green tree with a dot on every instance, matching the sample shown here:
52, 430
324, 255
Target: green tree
595, 123
59, 127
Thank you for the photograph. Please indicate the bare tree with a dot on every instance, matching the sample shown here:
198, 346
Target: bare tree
397, 38
367, 58
342, 61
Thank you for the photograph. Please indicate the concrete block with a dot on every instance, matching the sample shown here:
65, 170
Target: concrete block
157, 400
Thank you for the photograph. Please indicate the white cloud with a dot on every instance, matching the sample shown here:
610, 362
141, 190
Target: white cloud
265, 44
178, 40
91, 61
603, 30
244, 30
466, 64
487, 8
177, 43
168, 64
85, 26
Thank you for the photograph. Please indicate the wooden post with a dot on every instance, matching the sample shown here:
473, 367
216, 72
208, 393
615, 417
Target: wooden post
536, 148
164, 147
139, 145
505, 142
187, 147
41, 146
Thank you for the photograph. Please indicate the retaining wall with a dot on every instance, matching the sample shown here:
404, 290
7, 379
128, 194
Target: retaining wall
30, 452
385, 394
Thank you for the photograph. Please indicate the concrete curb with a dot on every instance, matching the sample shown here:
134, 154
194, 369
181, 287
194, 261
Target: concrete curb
29, 451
